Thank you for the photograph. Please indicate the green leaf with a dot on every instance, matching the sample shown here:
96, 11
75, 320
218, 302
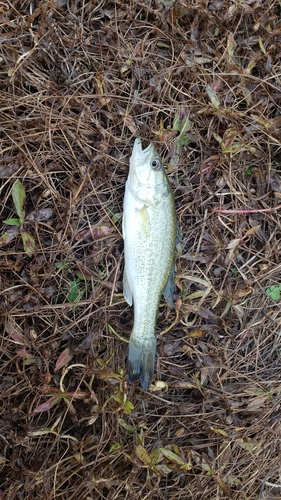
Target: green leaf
217, 137
129, 428
182, 123
232, 480
12, 222
219, 431
28, 243
251, 231
174, 458
114, 446
247, 94
117, 399
128, 407
250, 445
83, 277
234, 148
30, 361
249, 170
183, 140
74, 293
143, 455
163, 45
213, 97
274, 292
154, 455
11, 70
62, 265
186, 139
234, 271
18, 193
168, 4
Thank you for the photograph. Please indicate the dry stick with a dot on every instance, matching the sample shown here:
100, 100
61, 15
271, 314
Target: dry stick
248, 211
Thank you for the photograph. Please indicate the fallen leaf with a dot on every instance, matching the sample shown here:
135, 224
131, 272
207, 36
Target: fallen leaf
258, 403
47, 405
94, 232
100, 92
28, 242
159, 385
224, 488
17, 337
9, 235
8, 171
40, 215
15, 331
63, 359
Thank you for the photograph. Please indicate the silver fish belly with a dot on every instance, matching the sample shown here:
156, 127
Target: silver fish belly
149, 232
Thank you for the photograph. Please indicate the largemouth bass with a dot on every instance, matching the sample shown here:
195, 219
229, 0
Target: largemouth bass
149, 233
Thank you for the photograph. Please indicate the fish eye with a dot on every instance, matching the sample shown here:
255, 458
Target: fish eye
156, 164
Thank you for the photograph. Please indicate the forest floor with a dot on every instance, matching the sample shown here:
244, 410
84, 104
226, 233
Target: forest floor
79, 81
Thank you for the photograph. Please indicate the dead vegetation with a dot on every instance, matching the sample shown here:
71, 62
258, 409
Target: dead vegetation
79, 80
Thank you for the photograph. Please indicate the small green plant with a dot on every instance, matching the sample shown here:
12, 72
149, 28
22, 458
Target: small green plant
76, 291
249, 170
18, 224
77, 285
181, 128
274, 292
234, 272
162, 460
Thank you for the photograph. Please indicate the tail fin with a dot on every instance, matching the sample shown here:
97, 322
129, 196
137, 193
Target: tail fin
141, 358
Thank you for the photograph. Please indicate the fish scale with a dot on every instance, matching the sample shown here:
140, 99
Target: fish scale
149, 232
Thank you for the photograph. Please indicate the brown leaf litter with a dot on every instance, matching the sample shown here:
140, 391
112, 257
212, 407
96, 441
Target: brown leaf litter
79, 81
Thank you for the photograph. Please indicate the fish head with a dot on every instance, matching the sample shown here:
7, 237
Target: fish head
147, 178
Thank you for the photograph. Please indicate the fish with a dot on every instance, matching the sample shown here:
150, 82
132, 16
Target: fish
149, 231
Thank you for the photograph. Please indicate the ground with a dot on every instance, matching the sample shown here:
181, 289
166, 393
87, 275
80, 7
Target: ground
79, 81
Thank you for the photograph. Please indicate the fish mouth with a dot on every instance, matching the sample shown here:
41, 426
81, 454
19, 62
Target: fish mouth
137, 149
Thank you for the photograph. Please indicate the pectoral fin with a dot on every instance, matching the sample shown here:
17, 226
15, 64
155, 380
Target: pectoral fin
127, 290
170, 288
123, 225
